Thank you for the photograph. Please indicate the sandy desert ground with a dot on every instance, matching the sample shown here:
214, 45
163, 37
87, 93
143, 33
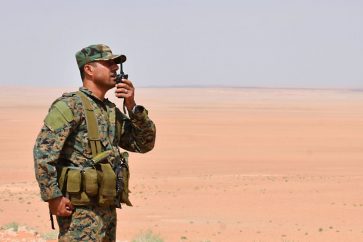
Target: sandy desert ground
230, 164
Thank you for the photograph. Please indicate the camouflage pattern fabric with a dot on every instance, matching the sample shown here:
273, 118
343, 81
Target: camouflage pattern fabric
63, 139
88, 224
97, 53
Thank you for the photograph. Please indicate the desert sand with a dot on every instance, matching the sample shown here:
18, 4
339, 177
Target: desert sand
230, 164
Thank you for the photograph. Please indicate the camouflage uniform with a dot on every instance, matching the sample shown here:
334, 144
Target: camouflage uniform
63, 139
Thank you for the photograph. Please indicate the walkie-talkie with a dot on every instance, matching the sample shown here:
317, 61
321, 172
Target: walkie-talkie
122, 75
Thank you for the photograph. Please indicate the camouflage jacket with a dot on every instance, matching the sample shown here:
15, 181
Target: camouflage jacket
63, 137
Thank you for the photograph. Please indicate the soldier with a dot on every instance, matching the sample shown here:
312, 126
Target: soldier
79, 188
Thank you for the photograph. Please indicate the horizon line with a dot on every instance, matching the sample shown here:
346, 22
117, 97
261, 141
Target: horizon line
203, 86
254, 87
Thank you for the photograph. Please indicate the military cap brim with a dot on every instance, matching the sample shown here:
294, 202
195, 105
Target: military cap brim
116, 58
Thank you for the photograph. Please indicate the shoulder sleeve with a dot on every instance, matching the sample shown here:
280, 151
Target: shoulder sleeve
59, 123
59, 116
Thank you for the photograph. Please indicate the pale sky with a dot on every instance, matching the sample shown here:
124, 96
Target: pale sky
254, 43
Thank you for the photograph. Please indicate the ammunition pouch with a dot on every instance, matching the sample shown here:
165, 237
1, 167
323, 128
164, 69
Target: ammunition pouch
107, 181
90, 182
75, 189
89, 186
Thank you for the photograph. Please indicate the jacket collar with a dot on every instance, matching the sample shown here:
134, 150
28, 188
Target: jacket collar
89, 93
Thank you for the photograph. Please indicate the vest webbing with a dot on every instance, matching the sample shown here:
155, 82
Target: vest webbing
92, 127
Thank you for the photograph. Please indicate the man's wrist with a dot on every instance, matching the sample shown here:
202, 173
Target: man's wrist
130, 105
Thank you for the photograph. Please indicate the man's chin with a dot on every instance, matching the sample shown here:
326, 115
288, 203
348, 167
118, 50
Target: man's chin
109, 85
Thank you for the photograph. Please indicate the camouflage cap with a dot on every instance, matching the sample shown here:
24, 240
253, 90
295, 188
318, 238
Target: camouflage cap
96, 53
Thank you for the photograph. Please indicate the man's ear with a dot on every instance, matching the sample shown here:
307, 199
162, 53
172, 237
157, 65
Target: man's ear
88, 69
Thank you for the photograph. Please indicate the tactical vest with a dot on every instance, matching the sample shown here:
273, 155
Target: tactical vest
100, 183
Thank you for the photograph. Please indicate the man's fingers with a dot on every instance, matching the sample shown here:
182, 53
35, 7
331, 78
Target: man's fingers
122, 90
121, 85
61, 206
125, 90
69, 205
125, 84
65, 210
128, 82
65, 213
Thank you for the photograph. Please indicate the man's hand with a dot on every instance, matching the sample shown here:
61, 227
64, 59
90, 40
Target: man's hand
61, 206
126, 90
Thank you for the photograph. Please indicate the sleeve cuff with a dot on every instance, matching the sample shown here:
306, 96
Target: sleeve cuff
48, 193
138, 112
